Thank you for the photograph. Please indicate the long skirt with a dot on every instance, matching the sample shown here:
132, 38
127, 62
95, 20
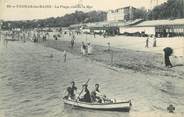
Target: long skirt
83, 51
167, 61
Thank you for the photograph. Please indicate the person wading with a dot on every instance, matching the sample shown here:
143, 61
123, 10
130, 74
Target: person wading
64, 55
89, 49
83, 49
72, 41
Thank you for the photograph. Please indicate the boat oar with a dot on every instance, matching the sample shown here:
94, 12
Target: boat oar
82, 90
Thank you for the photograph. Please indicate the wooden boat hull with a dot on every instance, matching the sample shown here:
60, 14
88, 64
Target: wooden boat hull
118, 106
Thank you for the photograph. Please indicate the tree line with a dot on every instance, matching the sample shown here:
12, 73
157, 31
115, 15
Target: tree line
171, 9
168, 10
64, 21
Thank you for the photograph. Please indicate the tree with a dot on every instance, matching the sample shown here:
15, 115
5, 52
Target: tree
140, 13
170, 9
65, 21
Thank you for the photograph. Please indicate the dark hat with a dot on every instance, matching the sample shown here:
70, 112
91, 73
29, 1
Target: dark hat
97, 84
168, 51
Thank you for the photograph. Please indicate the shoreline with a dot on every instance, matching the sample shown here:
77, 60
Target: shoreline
137, 61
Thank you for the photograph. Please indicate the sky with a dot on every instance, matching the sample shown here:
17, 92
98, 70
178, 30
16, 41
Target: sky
41, 13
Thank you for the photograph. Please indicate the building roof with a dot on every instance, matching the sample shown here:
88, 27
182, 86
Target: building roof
137, 23
161, 22
107, 24
113, 23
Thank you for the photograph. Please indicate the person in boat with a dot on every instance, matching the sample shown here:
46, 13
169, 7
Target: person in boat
97, 96
71, 91
85, 96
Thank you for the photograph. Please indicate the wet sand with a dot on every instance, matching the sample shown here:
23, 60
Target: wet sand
137, 61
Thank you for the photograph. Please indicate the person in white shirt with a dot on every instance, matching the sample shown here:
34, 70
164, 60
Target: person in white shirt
90, 49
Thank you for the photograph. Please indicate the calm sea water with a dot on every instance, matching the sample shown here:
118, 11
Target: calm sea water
33, 78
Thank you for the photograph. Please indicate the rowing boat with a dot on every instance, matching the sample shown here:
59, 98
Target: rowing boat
116, 106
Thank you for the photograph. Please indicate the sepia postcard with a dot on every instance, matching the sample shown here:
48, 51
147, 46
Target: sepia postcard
91, 58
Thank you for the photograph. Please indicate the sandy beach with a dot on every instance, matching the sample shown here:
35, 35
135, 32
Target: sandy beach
148, 61
131, 42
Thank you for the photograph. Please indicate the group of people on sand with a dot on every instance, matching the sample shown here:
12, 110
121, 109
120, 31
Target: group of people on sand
37, 36
94, 96
148, 41
86, 49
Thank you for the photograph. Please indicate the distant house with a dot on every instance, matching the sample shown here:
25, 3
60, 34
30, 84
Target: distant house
121, 14
165, 28
108, 27
159, 28
138, 27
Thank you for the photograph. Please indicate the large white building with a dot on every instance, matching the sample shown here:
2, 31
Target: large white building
159, 28
121, 14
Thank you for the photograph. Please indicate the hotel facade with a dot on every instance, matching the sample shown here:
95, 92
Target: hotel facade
121, 14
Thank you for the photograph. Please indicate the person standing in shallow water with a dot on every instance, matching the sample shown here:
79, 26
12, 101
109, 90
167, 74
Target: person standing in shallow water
147, 43
89, 49
109, 46
72, 41
83, 49
64, 55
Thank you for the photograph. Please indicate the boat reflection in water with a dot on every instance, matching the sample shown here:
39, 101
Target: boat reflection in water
117, 106
71, 111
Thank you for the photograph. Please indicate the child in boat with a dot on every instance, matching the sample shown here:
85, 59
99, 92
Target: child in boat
85, 96
71, 91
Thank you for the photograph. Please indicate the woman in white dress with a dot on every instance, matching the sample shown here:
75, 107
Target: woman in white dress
90, 49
